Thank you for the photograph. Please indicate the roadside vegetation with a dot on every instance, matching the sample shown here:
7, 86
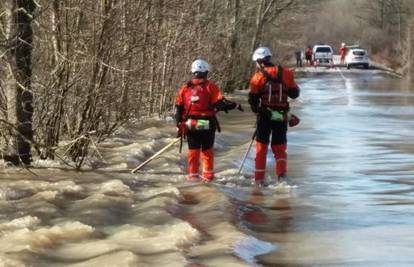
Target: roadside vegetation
76, 70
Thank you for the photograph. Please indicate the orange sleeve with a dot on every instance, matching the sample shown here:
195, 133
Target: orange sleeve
179, 100
256, 82
288, 79
215, 92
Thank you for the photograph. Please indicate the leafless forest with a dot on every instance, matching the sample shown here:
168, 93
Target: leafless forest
73, 71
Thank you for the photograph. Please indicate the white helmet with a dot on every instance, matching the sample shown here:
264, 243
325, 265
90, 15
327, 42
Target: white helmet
343, 44
261, 53
200, 65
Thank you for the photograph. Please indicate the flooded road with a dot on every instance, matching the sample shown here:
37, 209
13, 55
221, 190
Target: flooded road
350, 201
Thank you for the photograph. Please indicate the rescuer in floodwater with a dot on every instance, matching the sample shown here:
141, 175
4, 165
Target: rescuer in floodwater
196, 105
270, 88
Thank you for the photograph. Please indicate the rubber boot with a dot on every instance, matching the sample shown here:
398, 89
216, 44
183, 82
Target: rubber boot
193, 164
279, 151
260, 164
207, 157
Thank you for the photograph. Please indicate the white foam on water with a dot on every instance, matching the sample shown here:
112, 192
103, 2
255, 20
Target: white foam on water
11, 193
39, 204
169, 191
145, 243
126, 156
153, 215
147, 148
19, 223
66, 187
7, 261
156, 239
99, 201
44, 238
83, 250
39, 186
159, 202
173, 259
154, 206
167, 171
43, 196
116, 188
119, 258
153, 132
48, 163
282, 186
250, 247
128, 164
130, 156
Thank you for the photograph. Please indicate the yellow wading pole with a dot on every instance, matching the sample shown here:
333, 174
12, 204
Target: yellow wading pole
173, 142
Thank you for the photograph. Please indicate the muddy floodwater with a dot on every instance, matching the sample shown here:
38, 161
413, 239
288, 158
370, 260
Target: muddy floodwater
349, 200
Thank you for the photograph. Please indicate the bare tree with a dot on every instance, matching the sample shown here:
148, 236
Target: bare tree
98, 64
18, 85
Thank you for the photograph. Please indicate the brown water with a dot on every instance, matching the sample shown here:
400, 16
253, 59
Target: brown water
349, 201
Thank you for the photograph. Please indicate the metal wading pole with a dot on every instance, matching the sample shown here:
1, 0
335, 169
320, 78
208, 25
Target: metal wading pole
250, 146
181, 144
247, 152
173, 142
185, 117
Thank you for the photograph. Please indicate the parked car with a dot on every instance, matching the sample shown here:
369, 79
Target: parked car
322, 53
357, 57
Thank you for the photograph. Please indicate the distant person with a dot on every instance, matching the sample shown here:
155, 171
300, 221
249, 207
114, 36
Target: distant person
196, 104
270, 88
308, 56
342, 53
298, 55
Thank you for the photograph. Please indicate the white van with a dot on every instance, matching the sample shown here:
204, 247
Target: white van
322, 54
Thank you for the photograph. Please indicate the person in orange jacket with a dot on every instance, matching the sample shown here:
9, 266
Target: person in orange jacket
342, 53
270, 88
196, 103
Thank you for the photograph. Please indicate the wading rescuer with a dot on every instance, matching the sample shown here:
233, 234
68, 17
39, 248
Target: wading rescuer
270, 88
342, 53
196, 105
308, 55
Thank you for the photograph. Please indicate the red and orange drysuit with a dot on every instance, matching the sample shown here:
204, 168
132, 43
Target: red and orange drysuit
342, 53
270, 88
197, 102
308, 56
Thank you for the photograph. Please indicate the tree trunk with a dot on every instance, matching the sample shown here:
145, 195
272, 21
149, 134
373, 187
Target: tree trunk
259, 21
410, 54
124, 105
20, 96
234, 60
258, 25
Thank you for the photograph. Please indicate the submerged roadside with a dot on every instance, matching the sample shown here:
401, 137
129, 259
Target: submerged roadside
53, 215
353, 182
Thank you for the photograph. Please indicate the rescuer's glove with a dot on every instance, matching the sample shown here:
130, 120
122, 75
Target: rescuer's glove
182, 129
293, 120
